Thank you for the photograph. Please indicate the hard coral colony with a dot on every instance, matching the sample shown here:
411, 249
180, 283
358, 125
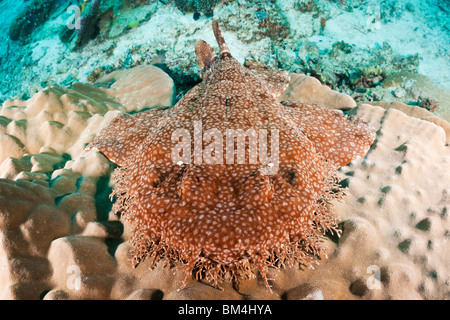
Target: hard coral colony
231, 220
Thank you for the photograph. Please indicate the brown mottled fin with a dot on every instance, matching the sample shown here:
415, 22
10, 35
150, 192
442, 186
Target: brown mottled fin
224, 51
205, 54
277, 80
335, 136
118, 144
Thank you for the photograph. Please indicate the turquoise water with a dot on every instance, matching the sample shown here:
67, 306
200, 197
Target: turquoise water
351, 45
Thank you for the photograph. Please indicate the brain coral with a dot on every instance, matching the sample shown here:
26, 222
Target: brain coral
52, 210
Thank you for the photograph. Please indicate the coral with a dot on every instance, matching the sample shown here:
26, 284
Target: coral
56, 117
206, 6
353, 70
341, 46
301, 86
401, 139
30, 19
264, 22
323, 22
198, 6
95, 74
428, 104
61, 205
417, 112
185, 6
418, 88
368, 77
271, 26
218, 221
307, 6
150, 87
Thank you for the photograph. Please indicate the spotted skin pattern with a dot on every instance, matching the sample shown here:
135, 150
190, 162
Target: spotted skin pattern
218, 219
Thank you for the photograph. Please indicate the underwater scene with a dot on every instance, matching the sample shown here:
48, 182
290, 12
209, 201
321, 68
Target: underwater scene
225, 150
